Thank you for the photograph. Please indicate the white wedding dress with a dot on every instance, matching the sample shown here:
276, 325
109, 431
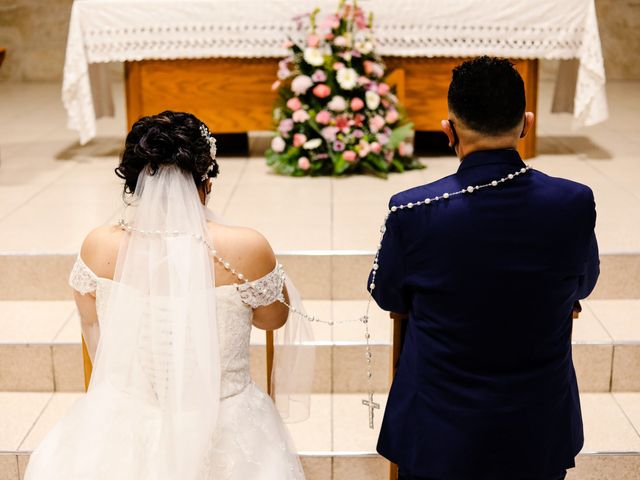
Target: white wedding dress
250, 440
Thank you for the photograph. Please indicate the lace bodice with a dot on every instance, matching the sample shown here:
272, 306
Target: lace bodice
234, 314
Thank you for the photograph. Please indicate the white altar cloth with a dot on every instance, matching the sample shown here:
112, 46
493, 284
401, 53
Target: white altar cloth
103, 31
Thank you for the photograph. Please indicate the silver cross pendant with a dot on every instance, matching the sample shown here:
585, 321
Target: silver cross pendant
372, 406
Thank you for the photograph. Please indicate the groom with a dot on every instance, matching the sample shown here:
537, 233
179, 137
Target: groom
487, 279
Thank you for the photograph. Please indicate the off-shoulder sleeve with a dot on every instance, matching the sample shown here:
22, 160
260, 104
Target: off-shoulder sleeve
265, 290
82, 279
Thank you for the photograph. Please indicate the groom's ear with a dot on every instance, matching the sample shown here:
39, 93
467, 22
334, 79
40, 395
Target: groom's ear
529, 118
446, 128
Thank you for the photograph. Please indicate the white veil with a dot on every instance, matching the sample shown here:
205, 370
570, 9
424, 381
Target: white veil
152, 406
151, 409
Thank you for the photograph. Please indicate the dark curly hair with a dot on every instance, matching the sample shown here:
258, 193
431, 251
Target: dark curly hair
169, 138
487, 94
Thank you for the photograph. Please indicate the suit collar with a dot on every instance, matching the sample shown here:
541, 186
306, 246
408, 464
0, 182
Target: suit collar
507, 156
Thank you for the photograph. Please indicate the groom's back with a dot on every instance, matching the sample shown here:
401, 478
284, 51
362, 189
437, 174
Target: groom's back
489, 280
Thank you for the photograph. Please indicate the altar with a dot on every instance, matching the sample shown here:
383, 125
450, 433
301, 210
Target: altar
218, 58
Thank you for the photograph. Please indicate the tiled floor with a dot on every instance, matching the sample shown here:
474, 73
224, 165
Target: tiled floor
612, 422
52, 191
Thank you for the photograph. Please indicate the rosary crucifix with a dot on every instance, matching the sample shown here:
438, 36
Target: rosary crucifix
372, 406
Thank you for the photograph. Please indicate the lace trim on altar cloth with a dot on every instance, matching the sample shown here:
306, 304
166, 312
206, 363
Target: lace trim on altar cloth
265, 290
82, 279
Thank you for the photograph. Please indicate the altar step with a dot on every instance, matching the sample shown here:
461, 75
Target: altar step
40, 347
335, 443
318, 274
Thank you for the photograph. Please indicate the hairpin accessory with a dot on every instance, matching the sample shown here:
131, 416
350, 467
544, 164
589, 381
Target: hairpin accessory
206, 134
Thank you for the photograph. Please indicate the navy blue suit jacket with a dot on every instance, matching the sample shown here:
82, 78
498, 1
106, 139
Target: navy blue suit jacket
485, 386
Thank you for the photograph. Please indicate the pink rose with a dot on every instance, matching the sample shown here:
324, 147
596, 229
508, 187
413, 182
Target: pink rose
358, 133
275, 85
329, 133
342, 123
304, 163
285, 126
356, 104
376, 123
313, 40
299, 139
382, 138
330, 21
319, 76
363, 81
329, 36
340, 41
321, 90
376, 147
338, 65
392, 116
374, 69
363, 148
300, 84
300, 116
294, 103
405, 149
287, 44
350, 156
383, 89
358, 119
323, 117
338, 146
388, 155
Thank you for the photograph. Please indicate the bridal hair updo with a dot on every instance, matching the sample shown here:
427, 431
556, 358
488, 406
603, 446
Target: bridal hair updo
169, 138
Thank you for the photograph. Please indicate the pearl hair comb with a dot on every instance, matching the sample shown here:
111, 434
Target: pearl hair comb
206, 134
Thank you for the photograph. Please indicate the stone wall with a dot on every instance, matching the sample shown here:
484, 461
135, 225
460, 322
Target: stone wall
35, 31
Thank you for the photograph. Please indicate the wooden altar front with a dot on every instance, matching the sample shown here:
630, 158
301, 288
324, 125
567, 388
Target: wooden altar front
233, 95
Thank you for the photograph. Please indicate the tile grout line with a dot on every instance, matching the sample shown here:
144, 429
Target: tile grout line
624, 412
236, 185
64, 324
36, 421
32, 197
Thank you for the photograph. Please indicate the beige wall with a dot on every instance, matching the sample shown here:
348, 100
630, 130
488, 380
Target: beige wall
34, 31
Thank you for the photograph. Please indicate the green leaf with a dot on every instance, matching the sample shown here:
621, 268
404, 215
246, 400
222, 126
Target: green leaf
399, 134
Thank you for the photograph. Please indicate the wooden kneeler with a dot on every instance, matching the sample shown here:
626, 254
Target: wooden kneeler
88, 367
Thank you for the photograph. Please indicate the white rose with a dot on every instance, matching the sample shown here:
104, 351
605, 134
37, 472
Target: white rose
372, 99
313, 56
337, 104
347, 78
301, 84
312, 144
278, 145
363, 43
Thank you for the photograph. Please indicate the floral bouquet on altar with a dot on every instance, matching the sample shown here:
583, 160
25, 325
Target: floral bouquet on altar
335, 113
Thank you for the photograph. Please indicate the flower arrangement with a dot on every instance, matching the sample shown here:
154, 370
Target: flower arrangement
335, 113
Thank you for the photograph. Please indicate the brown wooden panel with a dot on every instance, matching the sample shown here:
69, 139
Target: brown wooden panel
427, 82
3, 52
234, 95
231, 95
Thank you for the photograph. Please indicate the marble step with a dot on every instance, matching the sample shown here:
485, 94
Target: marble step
40, 347
335, 443
318, 274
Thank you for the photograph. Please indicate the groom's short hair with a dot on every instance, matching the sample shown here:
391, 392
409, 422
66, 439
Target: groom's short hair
487, 94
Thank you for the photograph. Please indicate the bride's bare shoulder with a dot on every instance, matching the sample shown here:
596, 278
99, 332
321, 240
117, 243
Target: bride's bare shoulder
99, 250
245, 248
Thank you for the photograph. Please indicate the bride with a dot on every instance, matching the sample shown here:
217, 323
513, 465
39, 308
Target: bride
167, 300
